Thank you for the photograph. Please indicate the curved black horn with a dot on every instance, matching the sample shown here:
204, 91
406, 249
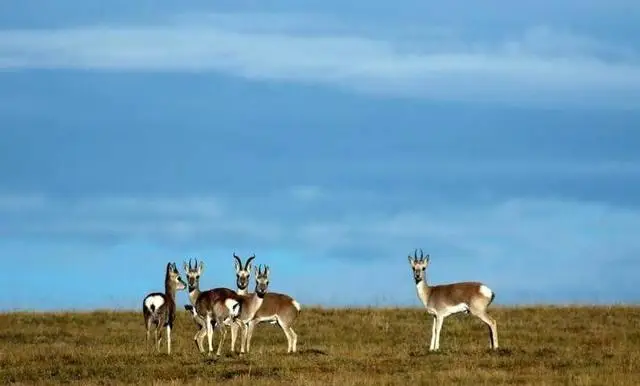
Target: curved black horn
238, 259
190, 268
415, 254
246, 265
196, 266
421, 254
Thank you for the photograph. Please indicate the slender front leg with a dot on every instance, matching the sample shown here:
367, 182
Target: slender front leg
168, 340
209, 334
432, 345
439, 321
249, 332
234, 336
243, 339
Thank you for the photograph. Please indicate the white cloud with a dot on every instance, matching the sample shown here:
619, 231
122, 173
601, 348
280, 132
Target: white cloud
560, 229
519, 246
540, 66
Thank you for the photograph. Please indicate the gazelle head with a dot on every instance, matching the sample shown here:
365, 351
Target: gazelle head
262, 280
419, 265
193, 274
243, 273
173, 279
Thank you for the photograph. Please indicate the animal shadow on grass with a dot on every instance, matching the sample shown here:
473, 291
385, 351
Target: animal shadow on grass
311, 352
419, 352
259, 372
300, 353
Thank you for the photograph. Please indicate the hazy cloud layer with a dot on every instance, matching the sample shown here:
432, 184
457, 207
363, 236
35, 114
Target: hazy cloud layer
538, 65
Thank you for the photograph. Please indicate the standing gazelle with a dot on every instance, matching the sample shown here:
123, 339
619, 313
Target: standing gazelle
216, 307
243, 274
193, 279
278, 309
448, 299
159, 309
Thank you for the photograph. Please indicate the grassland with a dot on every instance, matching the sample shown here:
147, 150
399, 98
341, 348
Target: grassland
540, 346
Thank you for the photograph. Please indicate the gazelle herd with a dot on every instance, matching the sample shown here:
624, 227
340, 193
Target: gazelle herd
241, 310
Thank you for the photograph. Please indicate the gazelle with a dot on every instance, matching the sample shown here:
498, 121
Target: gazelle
277, 309
193, 279
448, 299
160, 308
243, 274
216, 307
252, 302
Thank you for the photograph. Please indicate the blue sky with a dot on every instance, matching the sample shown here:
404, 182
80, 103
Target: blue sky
329, 138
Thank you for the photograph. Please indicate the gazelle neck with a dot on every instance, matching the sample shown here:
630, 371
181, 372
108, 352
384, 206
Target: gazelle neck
423, 291
193, 294
170, 290
242, 291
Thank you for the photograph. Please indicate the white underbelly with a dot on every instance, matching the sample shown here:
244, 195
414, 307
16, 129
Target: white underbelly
268, 319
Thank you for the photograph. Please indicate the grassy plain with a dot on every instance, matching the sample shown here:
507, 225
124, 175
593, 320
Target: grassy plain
539, 346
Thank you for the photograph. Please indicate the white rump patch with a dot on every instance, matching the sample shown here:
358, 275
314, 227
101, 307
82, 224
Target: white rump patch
153, 302
486, 291
296, 305
233, 306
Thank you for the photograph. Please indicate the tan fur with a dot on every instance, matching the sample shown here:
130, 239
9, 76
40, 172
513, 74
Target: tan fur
281, 309
213, 308
448, 299
276, 308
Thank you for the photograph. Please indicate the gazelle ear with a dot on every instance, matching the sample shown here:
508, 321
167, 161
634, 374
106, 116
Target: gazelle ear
266, 270
200, 268
185, 266
410, 260
238, 267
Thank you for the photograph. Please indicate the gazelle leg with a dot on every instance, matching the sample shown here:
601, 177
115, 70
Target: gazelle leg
432, 345
439, 321
209, 328
197, 339
243, 338
223, 335
493, 329
249, 332
285, 329
234, 336
158, 335
147, 324
168, 339
294, 340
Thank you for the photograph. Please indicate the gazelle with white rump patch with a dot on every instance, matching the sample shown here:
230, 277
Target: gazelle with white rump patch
216, 307
448, 299
159, 309
252, 302
279, 309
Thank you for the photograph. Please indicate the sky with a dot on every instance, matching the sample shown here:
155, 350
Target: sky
330, 138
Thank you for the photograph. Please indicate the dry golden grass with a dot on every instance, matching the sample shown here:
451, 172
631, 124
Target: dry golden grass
540, 346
